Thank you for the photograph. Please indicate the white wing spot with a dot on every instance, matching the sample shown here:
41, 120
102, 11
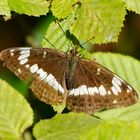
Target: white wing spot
19, 70
128, 91
102, 90
92, 91
25, 51
114, 90
42, 73
130, 88
109, 92
116, 80
44, 54
116, 83
27, 66
23, 56
114, 102
50, 79
51, 82
11, 53
60, 88
98, 71
76, 91
12, 50
81, 91
71, 92
23, 61
84, 90
95, 89
34, 68
55, 84
116, 86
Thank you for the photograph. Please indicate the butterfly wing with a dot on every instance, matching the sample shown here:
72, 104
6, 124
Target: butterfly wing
43, 68
96, 88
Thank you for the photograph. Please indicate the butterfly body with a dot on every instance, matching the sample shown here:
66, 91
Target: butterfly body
56, 76
72, 59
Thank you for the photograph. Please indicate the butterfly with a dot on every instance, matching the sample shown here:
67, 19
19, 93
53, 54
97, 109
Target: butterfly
56, 76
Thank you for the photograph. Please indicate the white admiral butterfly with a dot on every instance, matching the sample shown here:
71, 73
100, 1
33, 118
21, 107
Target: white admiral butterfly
56, 76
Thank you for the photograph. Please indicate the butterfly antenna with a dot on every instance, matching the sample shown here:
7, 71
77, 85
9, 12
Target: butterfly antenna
87, 41
49, 42
83, 47
65, 35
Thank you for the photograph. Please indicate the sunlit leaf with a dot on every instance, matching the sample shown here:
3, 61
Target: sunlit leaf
15, 113
63, 8
113, 130
29, 7
64, 126
133, 5
4, 8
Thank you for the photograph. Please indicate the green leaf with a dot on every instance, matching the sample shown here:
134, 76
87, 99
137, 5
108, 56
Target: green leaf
86, 21
124, 66
15, 113
30, 7
133, 5
59, 108
113, 130
64, 126
56, 36
96, 18
102, 19
131, 113
63, 8
4, 8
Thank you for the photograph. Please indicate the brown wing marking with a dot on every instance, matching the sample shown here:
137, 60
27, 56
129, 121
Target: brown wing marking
44, 63
96, 88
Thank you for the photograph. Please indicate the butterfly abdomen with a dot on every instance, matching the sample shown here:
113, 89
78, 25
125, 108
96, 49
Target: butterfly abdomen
71, 64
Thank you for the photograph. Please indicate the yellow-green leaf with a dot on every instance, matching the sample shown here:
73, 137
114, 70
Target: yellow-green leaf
64, 126
4, 8
113, 130
102, 19
63, 8
133, 5
15, 113
30, 7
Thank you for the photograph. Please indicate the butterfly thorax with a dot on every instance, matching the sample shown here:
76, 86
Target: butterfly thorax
71, 64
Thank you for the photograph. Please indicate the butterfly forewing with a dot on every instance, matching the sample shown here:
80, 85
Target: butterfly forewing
44, 68
96, 88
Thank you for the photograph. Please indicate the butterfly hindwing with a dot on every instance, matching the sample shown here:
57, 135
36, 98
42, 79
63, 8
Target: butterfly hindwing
96, 88
44, 68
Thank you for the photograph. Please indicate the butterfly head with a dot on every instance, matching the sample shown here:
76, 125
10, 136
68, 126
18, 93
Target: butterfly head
73, 52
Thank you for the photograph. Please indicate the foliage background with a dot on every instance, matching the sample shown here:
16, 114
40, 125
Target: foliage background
116, 27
